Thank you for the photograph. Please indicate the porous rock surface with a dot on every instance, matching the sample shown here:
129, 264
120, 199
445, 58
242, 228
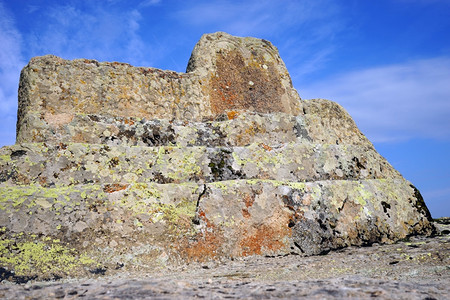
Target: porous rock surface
417, 268
119, 167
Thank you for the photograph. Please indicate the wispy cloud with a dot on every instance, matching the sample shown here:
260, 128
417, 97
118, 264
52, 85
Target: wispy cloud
101, 32
438, 193
11, 62
104, 32
261, 17
425, 2
297, 28
438, 199
396, 102
10, 56
149, 3
32, 8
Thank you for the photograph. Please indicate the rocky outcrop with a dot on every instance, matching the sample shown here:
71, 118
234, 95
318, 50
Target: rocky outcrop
124, 167
224, 74
416, 268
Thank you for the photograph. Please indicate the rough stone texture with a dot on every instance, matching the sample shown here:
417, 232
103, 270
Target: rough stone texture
243, 74
233, 129
117, 168
414, 269
225, 74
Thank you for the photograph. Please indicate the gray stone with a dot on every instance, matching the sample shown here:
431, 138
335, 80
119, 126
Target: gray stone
118, 168
413, 269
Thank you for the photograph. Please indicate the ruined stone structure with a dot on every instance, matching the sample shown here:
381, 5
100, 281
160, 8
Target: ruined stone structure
124, 167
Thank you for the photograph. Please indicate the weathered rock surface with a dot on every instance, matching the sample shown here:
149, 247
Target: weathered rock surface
414, 269
225, 73
117, 167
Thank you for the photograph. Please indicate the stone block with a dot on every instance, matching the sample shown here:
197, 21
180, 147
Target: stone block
141, 168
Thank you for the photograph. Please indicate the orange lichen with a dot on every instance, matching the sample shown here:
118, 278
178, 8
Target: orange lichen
204, 247
78, 138
237, 85
266, 147
245, 213
114, 187
42, 180
248, 200
232, 114
206, 244
128, 121
263, 238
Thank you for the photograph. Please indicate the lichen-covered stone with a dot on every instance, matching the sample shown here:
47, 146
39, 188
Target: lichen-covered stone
69, 164
124, 167
243, 74
234, 218
236, 129
237, 74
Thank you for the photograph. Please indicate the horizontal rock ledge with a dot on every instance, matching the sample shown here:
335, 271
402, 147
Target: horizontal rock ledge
323, 121
222, 219
71, 164
224, 73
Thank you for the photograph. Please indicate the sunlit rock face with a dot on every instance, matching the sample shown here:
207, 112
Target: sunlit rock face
118, 166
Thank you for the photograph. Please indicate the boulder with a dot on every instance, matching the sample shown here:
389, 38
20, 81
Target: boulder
129, 167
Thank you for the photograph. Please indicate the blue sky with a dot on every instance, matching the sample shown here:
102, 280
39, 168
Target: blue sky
386, 61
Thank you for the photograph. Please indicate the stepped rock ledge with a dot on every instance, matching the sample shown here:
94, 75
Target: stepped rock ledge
133, 168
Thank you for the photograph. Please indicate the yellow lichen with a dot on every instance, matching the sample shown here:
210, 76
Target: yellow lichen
362, 195
14, 197
173, 213
277, 183
5, 158
219, 185
40, 257
185, 164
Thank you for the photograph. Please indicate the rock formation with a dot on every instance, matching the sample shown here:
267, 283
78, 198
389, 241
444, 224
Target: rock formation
119, 166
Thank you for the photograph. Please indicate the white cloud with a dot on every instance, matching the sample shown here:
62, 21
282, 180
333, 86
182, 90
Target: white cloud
438, 193
11, 62
260, 17
299, 29
424, 2
10, 52
397, 102
149, 3
101, 33
32, 8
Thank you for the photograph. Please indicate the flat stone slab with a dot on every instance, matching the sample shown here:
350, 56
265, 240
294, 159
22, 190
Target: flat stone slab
322, 121
70, 164
158, 225
413, 269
